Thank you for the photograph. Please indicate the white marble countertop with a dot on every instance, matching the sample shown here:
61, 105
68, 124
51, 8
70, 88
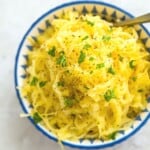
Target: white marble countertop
19, 134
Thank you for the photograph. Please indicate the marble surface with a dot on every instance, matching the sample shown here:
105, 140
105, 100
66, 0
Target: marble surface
18, 134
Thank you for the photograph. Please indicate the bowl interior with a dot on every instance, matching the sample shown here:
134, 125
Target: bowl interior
44, 22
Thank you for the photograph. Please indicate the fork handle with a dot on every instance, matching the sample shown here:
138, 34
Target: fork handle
137, 20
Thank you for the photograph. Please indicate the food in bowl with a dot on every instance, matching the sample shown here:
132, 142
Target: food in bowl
86, 78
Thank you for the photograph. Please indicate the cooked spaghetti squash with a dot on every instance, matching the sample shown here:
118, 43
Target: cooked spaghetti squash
86, 78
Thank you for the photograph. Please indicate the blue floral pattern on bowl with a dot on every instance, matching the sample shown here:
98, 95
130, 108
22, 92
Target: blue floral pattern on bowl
39, 26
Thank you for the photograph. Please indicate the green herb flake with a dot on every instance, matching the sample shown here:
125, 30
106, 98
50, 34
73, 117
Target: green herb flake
91, 58
42, 83
86, 87
34, 81
106, 38
90, 23
67, 71
98, 66
91, 72
134, 78
81, 57
73, 116
36, 118
52, 51
84, 38
60, 83
109, 94
147, 99
68, 102
112, 135
120, 58
132, 64
111, 70
56, 126
62, 60
86, 46
109, 55
140, 90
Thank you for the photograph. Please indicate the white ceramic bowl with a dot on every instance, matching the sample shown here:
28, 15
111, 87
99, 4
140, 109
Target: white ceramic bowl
42, 24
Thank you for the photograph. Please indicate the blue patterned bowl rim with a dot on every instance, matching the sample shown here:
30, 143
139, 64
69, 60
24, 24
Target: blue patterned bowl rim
117, 141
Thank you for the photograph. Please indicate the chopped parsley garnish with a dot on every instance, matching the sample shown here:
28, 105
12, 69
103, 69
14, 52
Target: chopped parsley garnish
109, 55
36, 118
91, 58
60, 83
112, 135
91, 72
120, 58
86, 46
68, 102
90, 23
56, 126
52, 51
42, 83
134, 78
84, 38
34, 81
148, 99
67, 71
86, 87
111, 70
98, 66
73, 116
62, 60
81, 57
109, 94
140, 90
106, 38
132, 64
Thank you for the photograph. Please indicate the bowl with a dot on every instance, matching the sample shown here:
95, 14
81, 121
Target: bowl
44, 22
